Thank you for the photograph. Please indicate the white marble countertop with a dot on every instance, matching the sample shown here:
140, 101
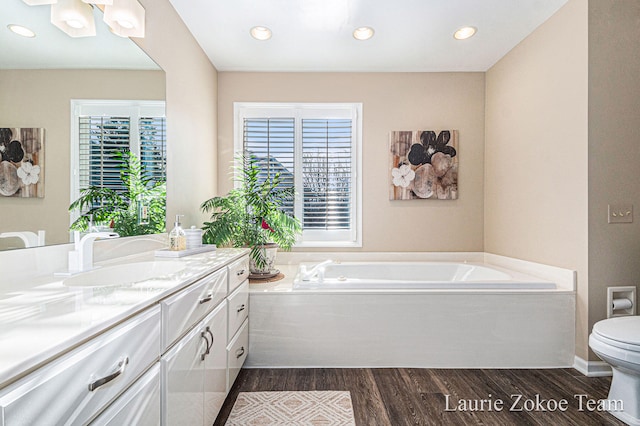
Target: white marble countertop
42, 318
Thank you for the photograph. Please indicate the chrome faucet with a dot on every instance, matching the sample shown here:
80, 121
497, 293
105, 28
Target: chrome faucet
317, 270
81, 258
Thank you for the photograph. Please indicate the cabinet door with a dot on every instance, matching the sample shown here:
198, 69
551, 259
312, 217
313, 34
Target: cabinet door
183, 380
215, 364
139, 405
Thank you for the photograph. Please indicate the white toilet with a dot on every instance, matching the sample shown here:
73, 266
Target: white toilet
617, 342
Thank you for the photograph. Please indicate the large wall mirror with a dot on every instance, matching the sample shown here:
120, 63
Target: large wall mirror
39, 78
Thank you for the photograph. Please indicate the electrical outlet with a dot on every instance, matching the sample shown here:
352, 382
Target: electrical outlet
620, 213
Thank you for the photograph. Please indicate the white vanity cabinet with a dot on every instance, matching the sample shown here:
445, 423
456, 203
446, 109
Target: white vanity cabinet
194, 373
238, 331
76, 386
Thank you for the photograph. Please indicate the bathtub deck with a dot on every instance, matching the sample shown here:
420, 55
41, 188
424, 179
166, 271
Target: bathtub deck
399, 397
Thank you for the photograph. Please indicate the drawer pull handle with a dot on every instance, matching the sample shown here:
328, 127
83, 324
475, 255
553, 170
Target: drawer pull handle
240, 352
212, 338
122, 365
240, 308
203, 334
206, 299
240, 272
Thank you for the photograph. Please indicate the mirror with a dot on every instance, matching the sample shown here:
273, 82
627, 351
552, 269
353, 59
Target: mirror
39, 77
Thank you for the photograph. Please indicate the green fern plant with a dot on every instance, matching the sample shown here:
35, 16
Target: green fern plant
123, 209
251, 214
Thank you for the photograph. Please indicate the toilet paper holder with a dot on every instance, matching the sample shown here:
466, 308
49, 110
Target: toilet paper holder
621, 301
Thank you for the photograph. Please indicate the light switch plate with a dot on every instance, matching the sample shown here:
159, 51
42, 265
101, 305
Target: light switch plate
620, 213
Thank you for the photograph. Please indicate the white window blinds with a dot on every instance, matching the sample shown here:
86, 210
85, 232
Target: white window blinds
103, 129
314, 149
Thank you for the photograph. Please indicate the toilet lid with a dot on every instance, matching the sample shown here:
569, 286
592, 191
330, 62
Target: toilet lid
622, 329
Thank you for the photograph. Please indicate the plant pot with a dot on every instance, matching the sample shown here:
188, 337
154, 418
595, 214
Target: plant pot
267, 259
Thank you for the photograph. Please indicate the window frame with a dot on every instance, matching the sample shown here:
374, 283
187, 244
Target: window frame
134, 109
300, 111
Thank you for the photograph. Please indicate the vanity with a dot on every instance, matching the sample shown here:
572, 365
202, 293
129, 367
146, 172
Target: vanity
163, 350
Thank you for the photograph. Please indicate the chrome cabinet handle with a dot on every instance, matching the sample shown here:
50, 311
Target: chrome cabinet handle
206, 299
122, 365
240, 352
203, 334
240, 308
241, 272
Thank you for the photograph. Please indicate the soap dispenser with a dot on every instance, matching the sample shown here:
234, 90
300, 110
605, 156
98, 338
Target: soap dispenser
177, 236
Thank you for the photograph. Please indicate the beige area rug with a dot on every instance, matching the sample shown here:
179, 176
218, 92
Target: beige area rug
316, 408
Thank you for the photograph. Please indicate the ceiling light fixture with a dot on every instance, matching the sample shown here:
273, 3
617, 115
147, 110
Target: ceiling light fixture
73, 17
22, 31
363, 33
260, 33
39, 2
125, 17
464, 33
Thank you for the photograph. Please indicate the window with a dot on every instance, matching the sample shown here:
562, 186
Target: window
315, 148
101, 129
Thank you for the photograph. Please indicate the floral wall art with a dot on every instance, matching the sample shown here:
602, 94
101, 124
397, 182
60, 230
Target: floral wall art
423, 164
22, 162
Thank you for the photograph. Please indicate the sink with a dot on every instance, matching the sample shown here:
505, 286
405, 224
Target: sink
124, 274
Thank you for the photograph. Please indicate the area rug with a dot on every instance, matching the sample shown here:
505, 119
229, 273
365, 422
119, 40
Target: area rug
313, 408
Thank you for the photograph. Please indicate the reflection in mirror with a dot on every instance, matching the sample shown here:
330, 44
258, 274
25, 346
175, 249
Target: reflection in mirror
39, 77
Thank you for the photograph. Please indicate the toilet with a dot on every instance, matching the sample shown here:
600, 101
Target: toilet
617, 342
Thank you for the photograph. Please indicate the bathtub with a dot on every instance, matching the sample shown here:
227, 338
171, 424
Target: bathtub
412, 275
444, 310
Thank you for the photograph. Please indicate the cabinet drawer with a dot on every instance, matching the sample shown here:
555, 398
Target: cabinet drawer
75, 387
238, 308
238, 272
237, 352
139, 405
182, 310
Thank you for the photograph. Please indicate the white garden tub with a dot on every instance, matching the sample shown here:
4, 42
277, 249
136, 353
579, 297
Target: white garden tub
412, 275
444, 310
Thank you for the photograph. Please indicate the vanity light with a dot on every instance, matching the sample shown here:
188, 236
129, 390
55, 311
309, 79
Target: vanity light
260, 33
125, 17
73, 17
39, 2
363, 33
464, 33
22, 31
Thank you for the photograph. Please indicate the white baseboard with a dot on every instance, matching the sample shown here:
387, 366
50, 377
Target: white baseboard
592, 368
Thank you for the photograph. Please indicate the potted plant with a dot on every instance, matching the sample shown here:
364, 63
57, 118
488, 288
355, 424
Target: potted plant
139, 209
251, 215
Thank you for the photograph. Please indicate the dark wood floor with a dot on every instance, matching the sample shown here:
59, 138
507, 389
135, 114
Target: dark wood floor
392, 396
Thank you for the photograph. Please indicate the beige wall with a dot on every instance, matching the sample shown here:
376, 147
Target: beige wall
191, 94
536, 190
614, 147
41, 98
391, 101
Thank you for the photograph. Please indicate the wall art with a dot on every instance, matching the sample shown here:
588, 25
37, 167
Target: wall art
22, 162
423, 164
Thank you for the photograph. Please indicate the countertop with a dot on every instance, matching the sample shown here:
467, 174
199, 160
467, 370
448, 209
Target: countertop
41, 318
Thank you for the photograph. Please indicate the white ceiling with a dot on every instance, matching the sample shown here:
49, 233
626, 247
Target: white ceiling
52, 48
316, 35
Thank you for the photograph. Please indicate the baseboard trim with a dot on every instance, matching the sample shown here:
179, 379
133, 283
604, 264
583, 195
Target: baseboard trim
592, 368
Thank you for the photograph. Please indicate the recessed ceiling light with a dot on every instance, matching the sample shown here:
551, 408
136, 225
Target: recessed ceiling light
260, 33
363, 33
464, 33
20, 30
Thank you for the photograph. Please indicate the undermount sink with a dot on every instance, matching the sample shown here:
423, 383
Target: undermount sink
127, 273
